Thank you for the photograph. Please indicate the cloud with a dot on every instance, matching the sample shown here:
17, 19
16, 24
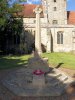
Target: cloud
29, 1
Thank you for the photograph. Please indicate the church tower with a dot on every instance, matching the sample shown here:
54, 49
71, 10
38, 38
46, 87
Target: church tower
55, 11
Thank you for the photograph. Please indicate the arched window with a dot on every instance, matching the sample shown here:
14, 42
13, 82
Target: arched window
34, 32
34, 21
73, 36
60, 37
73, 33
55, 8
55, 22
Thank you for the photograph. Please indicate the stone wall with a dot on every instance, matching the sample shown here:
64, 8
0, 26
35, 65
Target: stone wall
67, 40
49, 36
57, 11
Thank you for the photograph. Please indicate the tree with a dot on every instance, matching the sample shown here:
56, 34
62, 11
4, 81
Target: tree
3, 11
9, 26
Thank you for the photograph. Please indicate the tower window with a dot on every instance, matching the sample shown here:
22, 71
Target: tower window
60, 37
55, 22
55, 8
54, 0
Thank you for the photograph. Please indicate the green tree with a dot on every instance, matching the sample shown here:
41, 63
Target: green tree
3, 11
9, 25
6, 11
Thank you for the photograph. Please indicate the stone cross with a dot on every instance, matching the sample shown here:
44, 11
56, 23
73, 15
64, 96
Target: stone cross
38, 10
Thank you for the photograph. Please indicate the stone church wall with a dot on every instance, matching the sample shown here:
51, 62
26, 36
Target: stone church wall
67, 44
49, 36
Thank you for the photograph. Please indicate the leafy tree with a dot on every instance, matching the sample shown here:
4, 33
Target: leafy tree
9, 26
6, 11
3, 11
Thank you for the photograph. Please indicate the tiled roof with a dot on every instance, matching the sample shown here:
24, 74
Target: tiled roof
28, 11
71, 17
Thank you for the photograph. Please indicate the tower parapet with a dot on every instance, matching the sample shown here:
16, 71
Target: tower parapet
55, 11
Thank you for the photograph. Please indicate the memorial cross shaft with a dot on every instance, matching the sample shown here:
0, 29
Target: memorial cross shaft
37, 11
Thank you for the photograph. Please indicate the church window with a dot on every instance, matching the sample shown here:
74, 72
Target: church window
60, 37
34, 21
55, 22
73, 35
34, 33
55, 8
54, 0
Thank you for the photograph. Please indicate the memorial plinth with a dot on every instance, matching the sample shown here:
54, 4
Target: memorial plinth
38, 78
23, 82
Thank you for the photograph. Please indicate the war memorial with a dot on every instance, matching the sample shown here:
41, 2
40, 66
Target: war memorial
38, 79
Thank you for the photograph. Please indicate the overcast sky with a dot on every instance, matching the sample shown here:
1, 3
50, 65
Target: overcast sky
70, 3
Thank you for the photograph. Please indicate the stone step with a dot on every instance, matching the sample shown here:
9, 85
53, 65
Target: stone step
63, 78
57, 81
68, 81
64, 85
62, 81
52, 76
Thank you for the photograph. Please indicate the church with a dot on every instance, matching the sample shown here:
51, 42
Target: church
57, 26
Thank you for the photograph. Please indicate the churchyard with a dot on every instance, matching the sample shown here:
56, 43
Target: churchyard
37, 75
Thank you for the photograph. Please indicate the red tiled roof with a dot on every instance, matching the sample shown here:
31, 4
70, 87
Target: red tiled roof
28, 11
71, 17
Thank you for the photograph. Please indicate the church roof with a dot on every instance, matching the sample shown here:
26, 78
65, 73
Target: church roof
28, 11
71, 17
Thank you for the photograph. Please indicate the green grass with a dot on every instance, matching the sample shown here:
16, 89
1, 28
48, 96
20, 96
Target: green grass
55, 59
68, 59
7, 62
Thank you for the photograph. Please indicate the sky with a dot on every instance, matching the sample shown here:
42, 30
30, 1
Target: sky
70, 3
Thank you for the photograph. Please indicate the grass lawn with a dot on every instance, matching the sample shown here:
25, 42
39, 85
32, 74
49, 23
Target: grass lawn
7, 62
66, 60
55, 59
